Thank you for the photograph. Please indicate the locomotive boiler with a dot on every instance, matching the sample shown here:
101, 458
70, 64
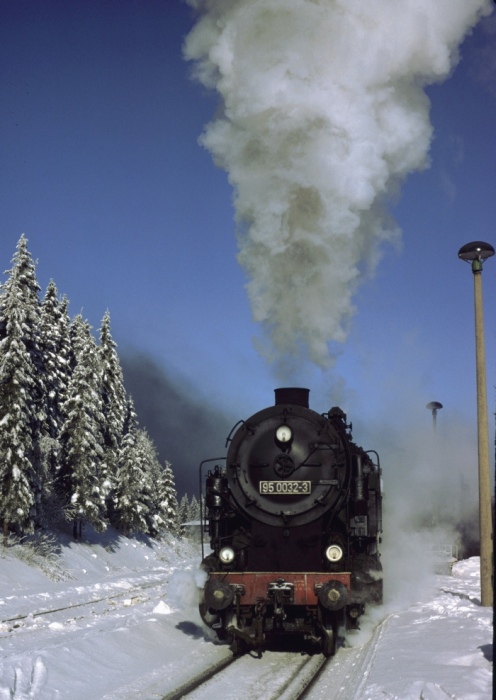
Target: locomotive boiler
293, 514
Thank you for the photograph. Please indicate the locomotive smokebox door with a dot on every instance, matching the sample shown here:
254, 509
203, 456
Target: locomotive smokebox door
288, 465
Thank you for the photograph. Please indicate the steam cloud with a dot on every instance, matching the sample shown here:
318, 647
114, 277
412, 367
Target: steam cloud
323, 114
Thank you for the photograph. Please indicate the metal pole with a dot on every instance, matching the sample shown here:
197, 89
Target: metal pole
434, 406
485, 508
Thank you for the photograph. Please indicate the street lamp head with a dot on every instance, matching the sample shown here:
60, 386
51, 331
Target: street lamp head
434, 406
478, 250
475, 253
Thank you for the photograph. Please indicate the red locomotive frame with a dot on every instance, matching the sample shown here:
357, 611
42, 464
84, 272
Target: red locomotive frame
255, 584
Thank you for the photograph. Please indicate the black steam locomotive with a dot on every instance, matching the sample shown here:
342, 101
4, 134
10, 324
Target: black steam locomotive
294, 517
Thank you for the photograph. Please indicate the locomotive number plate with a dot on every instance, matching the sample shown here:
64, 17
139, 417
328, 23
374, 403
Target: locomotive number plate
285, 488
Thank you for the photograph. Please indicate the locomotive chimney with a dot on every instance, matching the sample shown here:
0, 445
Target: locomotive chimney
292, 395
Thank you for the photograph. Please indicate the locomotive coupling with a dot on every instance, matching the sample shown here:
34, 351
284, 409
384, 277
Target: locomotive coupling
280, 592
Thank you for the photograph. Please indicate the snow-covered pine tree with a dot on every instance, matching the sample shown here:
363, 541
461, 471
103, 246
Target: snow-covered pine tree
193, 509
56, 349
81, 340
21, 394
79, 480
150, 494
130, 506
167, 498
182, 511
139, 493
113, 398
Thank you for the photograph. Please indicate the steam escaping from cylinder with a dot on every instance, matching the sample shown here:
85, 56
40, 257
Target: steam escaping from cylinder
322, 115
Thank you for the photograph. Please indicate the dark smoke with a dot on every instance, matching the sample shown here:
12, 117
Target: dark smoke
185, 426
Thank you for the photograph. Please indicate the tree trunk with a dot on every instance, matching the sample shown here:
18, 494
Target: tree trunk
5, 532
77, 528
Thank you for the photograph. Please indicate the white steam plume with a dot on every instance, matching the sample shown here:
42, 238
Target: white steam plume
323, 114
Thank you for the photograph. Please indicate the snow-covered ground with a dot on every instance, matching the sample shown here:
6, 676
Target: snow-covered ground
116, 618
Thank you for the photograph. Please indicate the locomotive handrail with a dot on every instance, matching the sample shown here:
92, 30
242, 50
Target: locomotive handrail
228, 438
378, 465
213, 459
379, 495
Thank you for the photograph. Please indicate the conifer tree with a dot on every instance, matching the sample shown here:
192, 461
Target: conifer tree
140, 494
166, 502
55, 349
131, 506
150, 494
79, 479
182, 512
21, 394
113, 399
194, 509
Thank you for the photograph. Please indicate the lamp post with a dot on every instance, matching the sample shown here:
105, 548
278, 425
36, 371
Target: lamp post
476, 253
434, 406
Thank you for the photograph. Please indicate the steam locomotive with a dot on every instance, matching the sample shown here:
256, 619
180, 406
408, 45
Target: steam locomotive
294, 519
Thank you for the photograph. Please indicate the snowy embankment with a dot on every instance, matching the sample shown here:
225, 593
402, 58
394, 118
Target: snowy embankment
118, 620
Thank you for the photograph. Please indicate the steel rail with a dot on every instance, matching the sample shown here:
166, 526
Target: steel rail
196, 682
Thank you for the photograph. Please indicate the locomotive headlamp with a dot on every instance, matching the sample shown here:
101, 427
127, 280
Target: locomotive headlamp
334, 553
226, 555
284, 433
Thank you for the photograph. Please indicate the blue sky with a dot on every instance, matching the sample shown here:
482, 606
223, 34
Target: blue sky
102, 170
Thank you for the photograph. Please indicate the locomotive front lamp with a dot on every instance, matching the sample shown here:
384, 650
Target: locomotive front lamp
284, 433
334, 553
476, 253
226, 555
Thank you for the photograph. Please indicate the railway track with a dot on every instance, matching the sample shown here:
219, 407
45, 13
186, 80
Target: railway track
199, 680
273, 676
133, 593
286, 675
